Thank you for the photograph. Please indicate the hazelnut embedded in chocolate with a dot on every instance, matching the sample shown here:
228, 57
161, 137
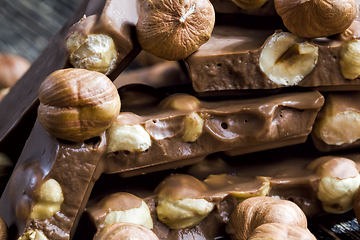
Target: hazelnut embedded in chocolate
121, 207
287, 59
181, 201
339, 180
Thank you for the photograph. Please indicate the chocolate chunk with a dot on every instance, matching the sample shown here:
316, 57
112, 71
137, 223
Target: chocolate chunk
236, 127
230, 61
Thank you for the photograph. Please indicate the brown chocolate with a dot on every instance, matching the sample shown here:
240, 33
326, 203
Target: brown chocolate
236, 126
288, 174
230, 61
45, 157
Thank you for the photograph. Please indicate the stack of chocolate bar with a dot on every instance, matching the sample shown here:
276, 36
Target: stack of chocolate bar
194, 139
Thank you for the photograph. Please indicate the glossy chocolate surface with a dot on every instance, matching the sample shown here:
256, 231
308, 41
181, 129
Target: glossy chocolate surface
288, 174
234, 126
76, 166
230, 61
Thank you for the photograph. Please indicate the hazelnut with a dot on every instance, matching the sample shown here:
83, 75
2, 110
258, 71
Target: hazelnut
339, 180
77, 104
124, 231
193, 127
33, 235
94, 52
48, 200
287, 59
320, 18
121, 207
350, 59
181, 101
255, 211
12, 68
180, 201
338, 121
129, 137
281, 231
174, 29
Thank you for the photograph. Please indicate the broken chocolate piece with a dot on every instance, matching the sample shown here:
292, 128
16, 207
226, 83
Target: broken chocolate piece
76, 166
234, 126
230, 60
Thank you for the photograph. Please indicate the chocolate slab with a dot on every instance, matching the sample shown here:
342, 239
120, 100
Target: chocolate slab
230, 61
234, 126
19, 106
76, 166
73, 166
288, 174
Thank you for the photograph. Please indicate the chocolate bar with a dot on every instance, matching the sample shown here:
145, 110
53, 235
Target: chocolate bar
291, 175
240, 58
73, 168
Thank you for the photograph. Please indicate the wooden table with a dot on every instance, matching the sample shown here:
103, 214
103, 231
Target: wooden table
27, 25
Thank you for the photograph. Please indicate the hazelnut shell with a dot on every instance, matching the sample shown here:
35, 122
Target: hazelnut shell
174, 29
77, 104
320, 18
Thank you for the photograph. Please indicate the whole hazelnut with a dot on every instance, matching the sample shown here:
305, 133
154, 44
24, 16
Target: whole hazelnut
77, 104
281, 231
12, 68
316, 18
124, 231
255, 211
174, 29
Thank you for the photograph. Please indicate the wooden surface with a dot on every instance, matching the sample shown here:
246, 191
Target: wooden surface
25, 29
27, 25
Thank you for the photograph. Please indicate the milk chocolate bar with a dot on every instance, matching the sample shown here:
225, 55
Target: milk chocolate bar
242, 58
184, 129
19, 106
73, 168
336, 126
292, 175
